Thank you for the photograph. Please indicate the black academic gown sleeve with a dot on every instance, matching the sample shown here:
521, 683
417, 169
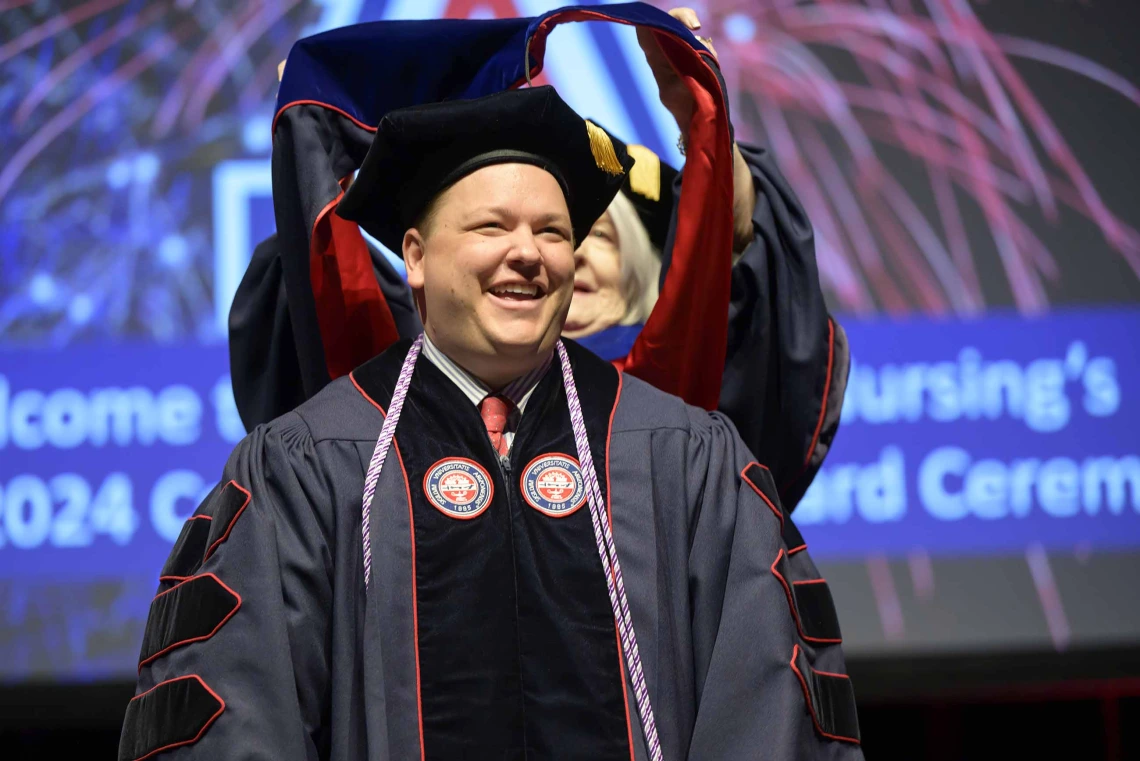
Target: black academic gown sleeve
768, 666
235, 656
265, 365
728, 607
787, 359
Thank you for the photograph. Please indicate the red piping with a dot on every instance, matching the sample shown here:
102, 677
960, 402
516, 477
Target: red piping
807, 698
203, 637
822, 407
610, 517
415, 602
681, 350
202, 731
353, 317
202, 516
792, 605
343, 113
743, 475
233, 521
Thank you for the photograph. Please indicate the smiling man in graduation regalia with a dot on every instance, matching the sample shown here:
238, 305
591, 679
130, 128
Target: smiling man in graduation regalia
550, 560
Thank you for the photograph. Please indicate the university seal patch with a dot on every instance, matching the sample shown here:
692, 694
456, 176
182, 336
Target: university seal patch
553, 485
458, 487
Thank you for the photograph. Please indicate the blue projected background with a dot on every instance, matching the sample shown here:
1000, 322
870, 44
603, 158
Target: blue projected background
970, 175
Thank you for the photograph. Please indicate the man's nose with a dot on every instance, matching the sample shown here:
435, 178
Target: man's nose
524, 248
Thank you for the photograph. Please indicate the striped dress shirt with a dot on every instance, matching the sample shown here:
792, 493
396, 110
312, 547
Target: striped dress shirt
517, 391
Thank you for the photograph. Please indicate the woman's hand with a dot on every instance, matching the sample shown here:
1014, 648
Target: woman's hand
676, 98
670, 87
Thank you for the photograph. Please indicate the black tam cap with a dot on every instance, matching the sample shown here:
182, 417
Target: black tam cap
420, 151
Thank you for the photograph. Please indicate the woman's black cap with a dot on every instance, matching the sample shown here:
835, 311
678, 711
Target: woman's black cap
649, 187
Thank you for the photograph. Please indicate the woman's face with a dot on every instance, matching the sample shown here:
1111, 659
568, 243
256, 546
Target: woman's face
598, 302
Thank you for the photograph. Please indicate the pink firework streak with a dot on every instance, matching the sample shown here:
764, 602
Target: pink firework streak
927, 79
214, 45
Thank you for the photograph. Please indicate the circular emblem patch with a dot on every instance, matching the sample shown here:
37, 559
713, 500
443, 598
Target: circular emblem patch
458, 487
553, 485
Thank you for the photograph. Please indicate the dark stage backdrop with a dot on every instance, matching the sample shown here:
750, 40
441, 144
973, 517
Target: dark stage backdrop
970, 172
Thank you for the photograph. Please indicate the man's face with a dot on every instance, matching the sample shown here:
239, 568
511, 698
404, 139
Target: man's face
494, 268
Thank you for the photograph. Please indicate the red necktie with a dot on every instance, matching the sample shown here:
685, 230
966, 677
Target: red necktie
494, 410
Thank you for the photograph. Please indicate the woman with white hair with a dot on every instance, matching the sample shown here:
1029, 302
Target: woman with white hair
616, 280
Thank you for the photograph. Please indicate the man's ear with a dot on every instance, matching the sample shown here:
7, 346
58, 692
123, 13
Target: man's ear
413, 250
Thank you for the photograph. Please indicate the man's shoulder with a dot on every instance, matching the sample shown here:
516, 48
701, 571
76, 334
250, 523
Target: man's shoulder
341, 411
338, 412
640, 406
643, 407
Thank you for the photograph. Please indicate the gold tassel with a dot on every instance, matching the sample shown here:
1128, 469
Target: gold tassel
603, 149
645, 176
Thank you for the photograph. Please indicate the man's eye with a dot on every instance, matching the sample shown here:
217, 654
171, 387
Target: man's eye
490, 225
563, 234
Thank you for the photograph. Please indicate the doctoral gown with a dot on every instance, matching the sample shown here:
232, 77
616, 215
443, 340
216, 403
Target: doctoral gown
489, 634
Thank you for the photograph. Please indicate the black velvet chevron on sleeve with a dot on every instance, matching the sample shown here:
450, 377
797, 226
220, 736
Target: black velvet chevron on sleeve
226, 508
205, 531
760, 479
189, 612
190, 547
830, 699
810, 603
174, 713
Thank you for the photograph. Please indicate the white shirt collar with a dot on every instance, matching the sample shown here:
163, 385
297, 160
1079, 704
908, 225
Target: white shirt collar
518, 391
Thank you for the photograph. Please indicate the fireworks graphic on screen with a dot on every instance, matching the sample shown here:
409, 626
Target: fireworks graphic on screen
869, 106
113, 113
932, 172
